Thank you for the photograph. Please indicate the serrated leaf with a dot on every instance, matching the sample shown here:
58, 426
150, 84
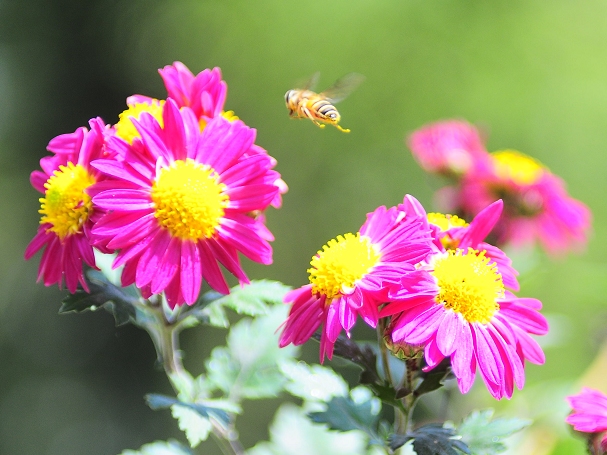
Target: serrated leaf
292, 433
102, 294
253, 299
195, 427
343, 414
312, 382
170, 447
484, 436
157, 401
431, 439
248, 366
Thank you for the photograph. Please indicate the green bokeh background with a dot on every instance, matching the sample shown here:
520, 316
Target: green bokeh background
531, 73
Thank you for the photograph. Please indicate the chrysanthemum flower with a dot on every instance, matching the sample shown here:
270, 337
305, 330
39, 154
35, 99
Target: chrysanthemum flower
537, 206
178, 202
66, 208
451, 147
347, 277
204, 93
456, 305
589, 414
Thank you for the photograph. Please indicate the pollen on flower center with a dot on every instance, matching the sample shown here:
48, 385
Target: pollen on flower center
517, 166
125, 128
66, 205
469, 284
342, 261
188, 200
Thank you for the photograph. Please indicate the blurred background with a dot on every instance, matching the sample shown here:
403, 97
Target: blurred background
531, 73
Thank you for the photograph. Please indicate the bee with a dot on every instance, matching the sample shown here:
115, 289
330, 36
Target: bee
318, 107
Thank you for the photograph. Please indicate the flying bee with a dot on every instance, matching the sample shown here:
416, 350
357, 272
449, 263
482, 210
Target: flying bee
318, 107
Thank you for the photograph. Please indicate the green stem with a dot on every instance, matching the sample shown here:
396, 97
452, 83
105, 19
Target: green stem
381, 326
165, 335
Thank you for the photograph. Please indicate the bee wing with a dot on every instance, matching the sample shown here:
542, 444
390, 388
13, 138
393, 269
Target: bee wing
343, 87
310, 84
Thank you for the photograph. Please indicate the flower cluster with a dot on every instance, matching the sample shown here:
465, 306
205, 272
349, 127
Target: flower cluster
175, 188
444, 290
537, 207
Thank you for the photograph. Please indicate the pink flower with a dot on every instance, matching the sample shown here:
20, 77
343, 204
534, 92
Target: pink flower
537, 206
66, 208
348, 277
451, 147
178, 203
590, 415
456, 305
205, 94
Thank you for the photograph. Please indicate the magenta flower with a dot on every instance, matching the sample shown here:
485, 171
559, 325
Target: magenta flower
178, 203
456, 305
66, 208
348, 277
205, 94
590, 415
451, 147
537, 206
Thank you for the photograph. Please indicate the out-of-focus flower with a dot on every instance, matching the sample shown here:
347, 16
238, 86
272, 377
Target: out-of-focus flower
456, 305
66, 208
537, 207
347, 277
178, 202
451, 147
590, 416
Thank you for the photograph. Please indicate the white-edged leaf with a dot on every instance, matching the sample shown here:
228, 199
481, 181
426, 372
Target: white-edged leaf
195, 427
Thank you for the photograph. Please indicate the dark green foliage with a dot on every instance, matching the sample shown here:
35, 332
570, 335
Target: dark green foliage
431, 439
103, 294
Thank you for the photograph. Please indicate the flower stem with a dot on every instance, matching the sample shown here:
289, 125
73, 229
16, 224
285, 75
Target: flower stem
165, 335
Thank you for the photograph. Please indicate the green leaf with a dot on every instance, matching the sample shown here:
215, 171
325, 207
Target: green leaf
344, 414
312, 383
431, 439
253, 299
157, 401
433, 379
484, 436
103, 294
248, 366
170, 447
292, 433
195, 427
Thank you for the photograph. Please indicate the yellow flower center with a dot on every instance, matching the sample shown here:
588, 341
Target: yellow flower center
469, 284
341, 263
188, 200
228, 115
125, 128
66, 205
520, 168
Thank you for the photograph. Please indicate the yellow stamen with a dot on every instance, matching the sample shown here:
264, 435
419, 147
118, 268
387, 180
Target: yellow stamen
66, 205
341, 263
125, 128
520, 168
469, 284
188, 200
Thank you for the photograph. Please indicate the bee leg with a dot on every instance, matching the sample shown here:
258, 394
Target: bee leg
345, 130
